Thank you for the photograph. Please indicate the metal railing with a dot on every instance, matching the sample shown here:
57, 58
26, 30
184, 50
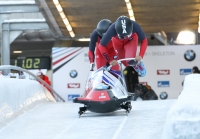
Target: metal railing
57, 97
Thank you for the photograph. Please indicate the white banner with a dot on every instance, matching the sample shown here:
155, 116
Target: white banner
166, 68
70, 71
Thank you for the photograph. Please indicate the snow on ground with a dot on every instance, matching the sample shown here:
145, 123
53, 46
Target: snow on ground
183, 119
19, 95
60, 121
159, 119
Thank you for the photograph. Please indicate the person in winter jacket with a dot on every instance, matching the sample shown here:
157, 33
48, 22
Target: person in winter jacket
195, 70
46, 79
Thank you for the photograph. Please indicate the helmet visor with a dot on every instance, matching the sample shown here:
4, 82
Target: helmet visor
124, 37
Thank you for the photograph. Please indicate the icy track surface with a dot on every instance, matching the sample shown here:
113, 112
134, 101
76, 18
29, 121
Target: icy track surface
60, 121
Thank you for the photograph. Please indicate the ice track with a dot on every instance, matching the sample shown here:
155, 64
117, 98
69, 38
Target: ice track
60, 121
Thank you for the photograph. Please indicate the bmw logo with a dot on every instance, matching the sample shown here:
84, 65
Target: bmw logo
189, 55
73, 73
163, 95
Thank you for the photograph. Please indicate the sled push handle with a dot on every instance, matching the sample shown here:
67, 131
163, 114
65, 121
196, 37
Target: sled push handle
131, 62
125, 59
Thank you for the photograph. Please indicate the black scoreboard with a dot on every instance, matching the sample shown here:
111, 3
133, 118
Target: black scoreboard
32, 62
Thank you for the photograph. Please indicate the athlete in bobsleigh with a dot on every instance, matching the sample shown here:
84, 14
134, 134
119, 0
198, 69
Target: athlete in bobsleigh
124, 34
94, 52
105, 88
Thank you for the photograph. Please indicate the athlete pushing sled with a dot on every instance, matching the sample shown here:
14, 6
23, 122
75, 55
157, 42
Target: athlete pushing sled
106, 90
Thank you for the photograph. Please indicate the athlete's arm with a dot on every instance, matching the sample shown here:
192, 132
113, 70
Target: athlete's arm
92, 45
142, 38
107, 37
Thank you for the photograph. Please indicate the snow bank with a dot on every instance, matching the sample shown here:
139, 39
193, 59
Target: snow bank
19, 95
183, 118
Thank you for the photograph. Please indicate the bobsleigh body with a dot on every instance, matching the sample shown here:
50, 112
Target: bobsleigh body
105, 92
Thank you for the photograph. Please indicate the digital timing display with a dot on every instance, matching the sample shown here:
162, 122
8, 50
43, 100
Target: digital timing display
32, 62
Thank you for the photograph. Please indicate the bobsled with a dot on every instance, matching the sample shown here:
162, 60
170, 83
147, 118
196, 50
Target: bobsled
105, 92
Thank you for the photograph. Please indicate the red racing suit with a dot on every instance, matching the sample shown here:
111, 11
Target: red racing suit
46, 79
100, 60
124, 48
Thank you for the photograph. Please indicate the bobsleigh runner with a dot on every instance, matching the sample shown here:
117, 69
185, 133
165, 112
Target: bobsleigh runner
105, 91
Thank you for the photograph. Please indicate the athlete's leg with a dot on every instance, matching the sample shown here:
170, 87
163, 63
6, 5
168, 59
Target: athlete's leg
119, 49
100, 60
131, 47
112, 53
130, 52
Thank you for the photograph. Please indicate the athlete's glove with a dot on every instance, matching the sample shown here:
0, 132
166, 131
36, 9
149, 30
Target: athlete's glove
92, 66
136, 61
138, 58
114, 61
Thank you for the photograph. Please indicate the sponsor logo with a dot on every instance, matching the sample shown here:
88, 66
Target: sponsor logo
130, 38
123, 26
73, 85
185, 71
102, 96
162, 53
72, 96
143, 83
115, 57
163, 72
73, 73
163, 95
163, 83
189, 55
106, 56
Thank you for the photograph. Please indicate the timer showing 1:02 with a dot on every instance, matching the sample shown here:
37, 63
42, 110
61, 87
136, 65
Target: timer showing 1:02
32, 62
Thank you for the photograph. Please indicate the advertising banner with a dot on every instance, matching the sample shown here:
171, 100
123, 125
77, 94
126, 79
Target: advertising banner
166, 68
70, 70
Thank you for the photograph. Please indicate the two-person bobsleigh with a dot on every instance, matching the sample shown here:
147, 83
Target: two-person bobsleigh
106, 91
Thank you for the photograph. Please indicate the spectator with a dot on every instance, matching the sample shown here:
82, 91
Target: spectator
145, 92
195, 70
21, 75
46, 79
43, 77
